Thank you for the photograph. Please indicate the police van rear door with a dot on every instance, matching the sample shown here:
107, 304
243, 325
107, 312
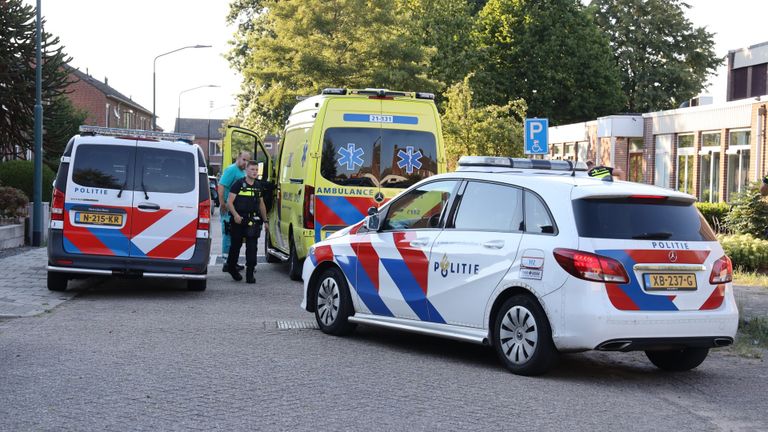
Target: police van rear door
99, 195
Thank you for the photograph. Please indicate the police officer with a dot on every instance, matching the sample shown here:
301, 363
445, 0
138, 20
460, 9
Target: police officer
246, 206
764, 186
234, 172
601, 172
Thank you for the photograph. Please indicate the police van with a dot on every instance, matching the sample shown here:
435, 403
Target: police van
130, 203
344, 151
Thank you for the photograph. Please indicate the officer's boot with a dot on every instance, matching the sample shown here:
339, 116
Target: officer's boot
234, 273
249, 275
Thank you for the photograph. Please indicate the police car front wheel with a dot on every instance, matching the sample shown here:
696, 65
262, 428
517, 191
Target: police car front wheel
522, 336
333, 305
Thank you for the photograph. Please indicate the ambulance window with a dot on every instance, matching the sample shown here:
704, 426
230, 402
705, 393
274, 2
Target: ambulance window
420, 208
348, 155
165, 171
490, 207
537, 217
102, 166
406, 157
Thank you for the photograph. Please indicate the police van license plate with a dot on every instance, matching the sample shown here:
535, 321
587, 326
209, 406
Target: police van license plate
99, 218
669, 281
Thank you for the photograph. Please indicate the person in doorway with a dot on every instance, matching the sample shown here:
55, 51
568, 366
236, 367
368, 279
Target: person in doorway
234, 172
248, 213
764, 186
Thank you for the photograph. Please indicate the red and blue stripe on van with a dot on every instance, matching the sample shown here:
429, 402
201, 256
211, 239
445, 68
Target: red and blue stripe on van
335, 212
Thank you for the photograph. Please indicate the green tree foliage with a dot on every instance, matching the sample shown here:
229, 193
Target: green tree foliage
469, 129
664, 60
17, 76
20, 174
292, 48
749, 214
550, 53
63, 123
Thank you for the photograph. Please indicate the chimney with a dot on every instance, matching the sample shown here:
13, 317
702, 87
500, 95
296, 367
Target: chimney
106, 81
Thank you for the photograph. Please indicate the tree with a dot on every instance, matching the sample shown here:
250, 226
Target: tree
17, 76
663, 59
469, 129
63, 122
549, 52
296, 48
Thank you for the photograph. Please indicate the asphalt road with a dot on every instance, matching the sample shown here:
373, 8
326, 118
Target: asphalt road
149, 355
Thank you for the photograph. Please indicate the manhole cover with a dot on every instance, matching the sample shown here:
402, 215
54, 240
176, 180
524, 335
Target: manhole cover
287, 325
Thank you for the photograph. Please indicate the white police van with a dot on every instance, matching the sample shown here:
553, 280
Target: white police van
130, 203
534, 258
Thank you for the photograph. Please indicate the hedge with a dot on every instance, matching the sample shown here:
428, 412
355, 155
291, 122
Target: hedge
20, 174
747, 252
13, 202
715, 214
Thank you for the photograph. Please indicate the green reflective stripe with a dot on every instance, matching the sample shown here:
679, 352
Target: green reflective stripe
246, 192
765, 179
599, 172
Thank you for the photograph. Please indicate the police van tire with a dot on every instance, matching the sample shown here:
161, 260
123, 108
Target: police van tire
197, 284
333, 304
294, 263
57, 281
678, 360
522, 336
267, 246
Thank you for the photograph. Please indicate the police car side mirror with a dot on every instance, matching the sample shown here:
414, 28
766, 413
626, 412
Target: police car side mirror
372, 222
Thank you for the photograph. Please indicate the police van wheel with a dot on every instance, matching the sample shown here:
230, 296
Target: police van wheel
678, 360
267, 246
57, 281
197, 284
294, 263
522, 337
333, 306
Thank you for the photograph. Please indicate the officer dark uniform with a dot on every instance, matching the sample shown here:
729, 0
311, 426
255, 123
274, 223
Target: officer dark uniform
248, 203
601, 172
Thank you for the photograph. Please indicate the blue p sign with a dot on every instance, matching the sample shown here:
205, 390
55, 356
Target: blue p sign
537, 136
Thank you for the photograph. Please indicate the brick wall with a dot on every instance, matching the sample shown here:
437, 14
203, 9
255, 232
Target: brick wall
621, 159
86, 97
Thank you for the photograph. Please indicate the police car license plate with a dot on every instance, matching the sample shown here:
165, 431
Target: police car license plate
99, 218
670, 281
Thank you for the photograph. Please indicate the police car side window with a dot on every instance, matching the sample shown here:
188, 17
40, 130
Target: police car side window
420, 208
103, 166
537, 217
490, 207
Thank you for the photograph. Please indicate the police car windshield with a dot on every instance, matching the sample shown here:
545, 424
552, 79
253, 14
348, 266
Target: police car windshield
640, 219
375, 157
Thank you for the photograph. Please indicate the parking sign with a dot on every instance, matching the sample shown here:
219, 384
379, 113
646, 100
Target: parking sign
536, 136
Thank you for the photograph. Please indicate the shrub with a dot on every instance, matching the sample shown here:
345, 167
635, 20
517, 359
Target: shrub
749, 214
21, 173
746, 252
13, 202
715, 214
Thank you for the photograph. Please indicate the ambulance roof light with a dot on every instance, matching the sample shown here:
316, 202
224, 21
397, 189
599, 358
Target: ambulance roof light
520, 163
136, 133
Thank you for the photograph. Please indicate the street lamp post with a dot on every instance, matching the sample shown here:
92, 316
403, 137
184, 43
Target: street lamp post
154, 78
178, 114
37, 195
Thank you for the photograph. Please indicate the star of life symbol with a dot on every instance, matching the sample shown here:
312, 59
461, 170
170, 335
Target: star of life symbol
408, 159
351, 156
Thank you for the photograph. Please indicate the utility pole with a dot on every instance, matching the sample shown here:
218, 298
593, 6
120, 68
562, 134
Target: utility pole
37, 208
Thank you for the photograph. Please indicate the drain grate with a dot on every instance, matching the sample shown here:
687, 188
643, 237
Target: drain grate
288, 325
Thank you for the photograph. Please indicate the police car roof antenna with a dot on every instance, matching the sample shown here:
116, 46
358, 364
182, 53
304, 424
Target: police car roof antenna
573, 168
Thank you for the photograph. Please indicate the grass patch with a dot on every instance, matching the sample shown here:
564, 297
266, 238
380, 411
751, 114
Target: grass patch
752, 338
750, 278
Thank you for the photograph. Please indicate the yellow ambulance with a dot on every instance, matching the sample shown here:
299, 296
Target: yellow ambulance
342, 152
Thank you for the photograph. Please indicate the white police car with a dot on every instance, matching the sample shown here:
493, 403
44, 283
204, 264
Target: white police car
534, 259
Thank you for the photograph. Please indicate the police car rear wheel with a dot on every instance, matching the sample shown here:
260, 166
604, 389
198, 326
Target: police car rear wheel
522, 337
333, 305
197, 285
294, 263
678, 360
57, 281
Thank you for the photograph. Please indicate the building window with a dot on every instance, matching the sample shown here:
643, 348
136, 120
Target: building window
557, 151
738, 162
710, 165
636, 160
662, 153
685, 157
214, 148
570, 152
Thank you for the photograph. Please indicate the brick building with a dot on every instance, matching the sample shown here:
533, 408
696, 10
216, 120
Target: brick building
208, 136
105, 106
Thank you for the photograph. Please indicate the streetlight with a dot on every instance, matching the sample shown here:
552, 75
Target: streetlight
37, 192
154, 76
178, 114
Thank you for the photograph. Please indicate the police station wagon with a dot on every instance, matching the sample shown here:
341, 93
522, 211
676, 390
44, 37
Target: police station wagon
130, 203
533, 258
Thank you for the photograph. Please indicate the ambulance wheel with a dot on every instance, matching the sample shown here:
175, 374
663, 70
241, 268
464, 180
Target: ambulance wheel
678, 360
57, 281
333, 306
522, 336
267, 246
197, 284
294, 263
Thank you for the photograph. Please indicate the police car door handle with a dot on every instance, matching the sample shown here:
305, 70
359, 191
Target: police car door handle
148, 206
419, 242
494, 244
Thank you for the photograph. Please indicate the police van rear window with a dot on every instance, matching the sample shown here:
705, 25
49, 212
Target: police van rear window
375, 157
103, 166
165, 171
640, 219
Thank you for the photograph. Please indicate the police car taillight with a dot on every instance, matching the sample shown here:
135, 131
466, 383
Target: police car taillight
204, 215
722, 271
57, 206
309, 207
591, 267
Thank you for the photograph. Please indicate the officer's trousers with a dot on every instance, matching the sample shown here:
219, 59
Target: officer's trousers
237, 235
